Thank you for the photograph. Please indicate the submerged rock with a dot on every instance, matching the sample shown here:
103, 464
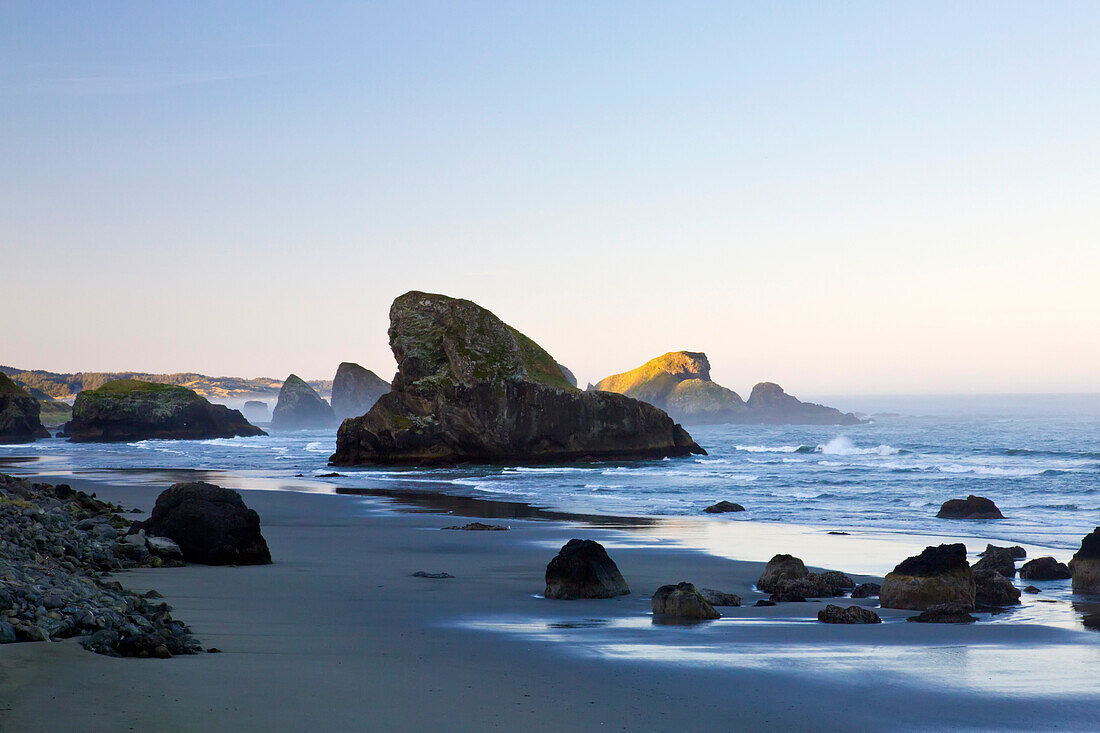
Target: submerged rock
1045, 568
972, 507
945, 613
1086, 564
20, 414
210, 524
720, 598
583, 569
851, 615
129, 409
470, 388
724, 507
355, 390
937, 576
780, 567
683, 601
300, 407
994, 589
998, 560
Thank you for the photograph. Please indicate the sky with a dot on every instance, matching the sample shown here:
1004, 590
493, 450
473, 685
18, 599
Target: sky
845, 198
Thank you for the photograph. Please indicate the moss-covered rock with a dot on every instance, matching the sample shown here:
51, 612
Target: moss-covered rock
470, 387
355, 390
301, 408
129, 409
20, 414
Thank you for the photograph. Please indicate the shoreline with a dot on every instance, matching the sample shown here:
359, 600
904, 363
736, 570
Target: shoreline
336, 630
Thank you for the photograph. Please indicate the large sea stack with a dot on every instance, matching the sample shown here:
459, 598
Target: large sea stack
680, 383
1086, 564
355, 390
19, 414
301, 408
470, 388
129, 409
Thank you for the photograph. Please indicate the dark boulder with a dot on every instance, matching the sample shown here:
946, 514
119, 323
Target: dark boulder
1086, 564
998, 560
355, 390
129, 409
778, 568
945, 613
1045, 568
1017, 552
583, 569
720, 598
937, 576
300, 408
851, 615
724, 507
683, 601
972, 507
764, 602
994, 589
20, 414
829, 584
866, 590
210, 524
470, 388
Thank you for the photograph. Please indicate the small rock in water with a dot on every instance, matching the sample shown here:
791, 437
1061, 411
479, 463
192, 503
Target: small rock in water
724, 507
719, 598
1032, 590
972, 507
426, 574
836, 532
851, 615
866, 590
945, 613
1045, 568
328, 475
764, 602
480, 527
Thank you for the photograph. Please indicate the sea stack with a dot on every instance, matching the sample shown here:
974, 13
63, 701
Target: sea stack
129, 409
1086, 564
256, 411
355, 390
939, 575
470, 388
301, 408
20, 420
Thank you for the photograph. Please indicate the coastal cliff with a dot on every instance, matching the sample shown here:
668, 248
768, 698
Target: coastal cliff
471, 388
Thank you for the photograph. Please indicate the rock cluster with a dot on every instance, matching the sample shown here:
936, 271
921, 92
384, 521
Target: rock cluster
20, 414
301, 408
471, 388
54, 544
583, 569
1086, 564
683, 601
937, 576
355, 389
972, 507
851, 615
128, 409
210, 524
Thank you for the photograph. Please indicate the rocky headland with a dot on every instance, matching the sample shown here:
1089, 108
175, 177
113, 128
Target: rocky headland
129, 409
301, 408
679, 382
20, 414
355, 389
470, 388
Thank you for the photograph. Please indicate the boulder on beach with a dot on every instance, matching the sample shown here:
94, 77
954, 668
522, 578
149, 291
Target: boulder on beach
972, 507
937, 576
778, 568
301, 408
256, 411
999, 560
683, 601
828, 584
724, 507
1045, 568
20, 414
129, 410
1017, 552
1086, 564
866, 590
945, 613
994, 589
355, 389
470, 388
720, 598
210, 524
851, 615
583, 569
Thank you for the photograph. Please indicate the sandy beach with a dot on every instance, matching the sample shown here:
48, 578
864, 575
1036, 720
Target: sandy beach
337, 633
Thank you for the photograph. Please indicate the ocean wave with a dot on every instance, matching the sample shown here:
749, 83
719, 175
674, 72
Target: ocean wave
769, 448
990, 470
843, 446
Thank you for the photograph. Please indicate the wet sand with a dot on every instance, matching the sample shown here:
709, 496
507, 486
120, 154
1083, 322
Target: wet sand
337, 633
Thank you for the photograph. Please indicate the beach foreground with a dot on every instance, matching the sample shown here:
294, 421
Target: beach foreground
337, 632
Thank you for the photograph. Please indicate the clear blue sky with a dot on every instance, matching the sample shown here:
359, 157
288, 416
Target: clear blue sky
841, 197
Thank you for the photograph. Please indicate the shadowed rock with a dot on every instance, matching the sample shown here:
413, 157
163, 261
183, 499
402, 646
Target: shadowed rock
1045, 568
972, 507
300, 408
994, 589
945, 613
720, 598
866, 590
471, 388
998, 560
828, 584
210, 524
1017, 552
937, 576
724, 507
683, 601
778, 568
1086, 564
583, 569
851, 615
20, 414
355, 390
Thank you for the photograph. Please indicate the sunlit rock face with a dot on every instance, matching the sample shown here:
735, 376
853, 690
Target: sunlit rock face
470, 388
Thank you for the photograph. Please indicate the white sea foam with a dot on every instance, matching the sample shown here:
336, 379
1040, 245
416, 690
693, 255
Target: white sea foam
768, 448
842, 445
